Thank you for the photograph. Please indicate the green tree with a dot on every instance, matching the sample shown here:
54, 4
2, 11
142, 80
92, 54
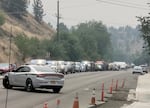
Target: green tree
36, 45
22, 43
89, 41
38, 10
17, 8
2, 18
145, 30
94, 40
30, 47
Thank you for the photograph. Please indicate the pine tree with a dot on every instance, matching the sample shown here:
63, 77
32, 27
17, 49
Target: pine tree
15, 7
38, 10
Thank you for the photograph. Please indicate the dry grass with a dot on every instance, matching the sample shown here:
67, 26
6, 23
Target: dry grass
27, 26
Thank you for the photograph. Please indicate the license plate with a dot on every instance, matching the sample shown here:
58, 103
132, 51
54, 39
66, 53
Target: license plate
53, 82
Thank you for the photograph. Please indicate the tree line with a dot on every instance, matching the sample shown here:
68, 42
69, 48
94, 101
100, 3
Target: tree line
18, 8
144, 28
86, 41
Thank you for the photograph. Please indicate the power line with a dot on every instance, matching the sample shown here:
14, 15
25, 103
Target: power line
124, 5
113, 2
130, 3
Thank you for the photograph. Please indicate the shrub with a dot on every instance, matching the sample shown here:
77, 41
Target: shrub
2, 18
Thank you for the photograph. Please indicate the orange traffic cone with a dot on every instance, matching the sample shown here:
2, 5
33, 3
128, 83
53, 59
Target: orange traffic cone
45, 105
102, 93
93, 97
116, 85
111, 88
123, 83
112, 83
76, 102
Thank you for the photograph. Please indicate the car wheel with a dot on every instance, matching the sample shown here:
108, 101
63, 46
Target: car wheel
6, 83
56, 90
29, 86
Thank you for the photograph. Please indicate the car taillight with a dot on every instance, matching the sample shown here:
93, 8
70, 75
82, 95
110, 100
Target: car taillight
50, 75
60, 76
41, 75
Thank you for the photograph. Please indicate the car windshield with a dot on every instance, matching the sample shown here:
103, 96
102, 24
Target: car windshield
43, 69
137, 67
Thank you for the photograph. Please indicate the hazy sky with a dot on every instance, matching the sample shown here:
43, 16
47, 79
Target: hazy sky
110, 12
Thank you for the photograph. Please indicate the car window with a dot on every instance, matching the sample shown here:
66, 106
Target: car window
23, 69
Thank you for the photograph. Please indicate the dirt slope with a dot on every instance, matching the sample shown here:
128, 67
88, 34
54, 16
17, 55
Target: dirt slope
28, 26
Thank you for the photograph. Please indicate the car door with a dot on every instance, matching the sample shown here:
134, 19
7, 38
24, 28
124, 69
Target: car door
13, 76
20, 75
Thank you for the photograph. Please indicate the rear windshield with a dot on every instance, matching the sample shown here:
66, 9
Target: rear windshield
43, 69
137, 67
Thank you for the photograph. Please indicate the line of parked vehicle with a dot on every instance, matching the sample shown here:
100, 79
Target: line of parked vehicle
40, 73
67, 67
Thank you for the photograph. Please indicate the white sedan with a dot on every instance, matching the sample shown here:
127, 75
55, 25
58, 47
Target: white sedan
138, 69
34, 76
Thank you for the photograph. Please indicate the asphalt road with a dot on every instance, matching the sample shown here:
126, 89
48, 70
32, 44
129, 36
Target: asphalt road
81, 83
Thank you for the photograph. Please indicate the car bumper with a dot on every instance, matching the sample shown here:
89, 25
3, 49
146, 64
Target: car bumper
48, 84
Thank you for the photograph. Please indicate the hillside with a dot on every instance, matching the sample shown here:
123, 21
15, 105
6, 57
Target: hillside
28, 26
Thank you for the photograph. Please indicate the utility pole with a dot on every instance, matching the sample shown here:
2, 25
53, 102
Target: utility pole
10, 41
57, 27
58, 20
